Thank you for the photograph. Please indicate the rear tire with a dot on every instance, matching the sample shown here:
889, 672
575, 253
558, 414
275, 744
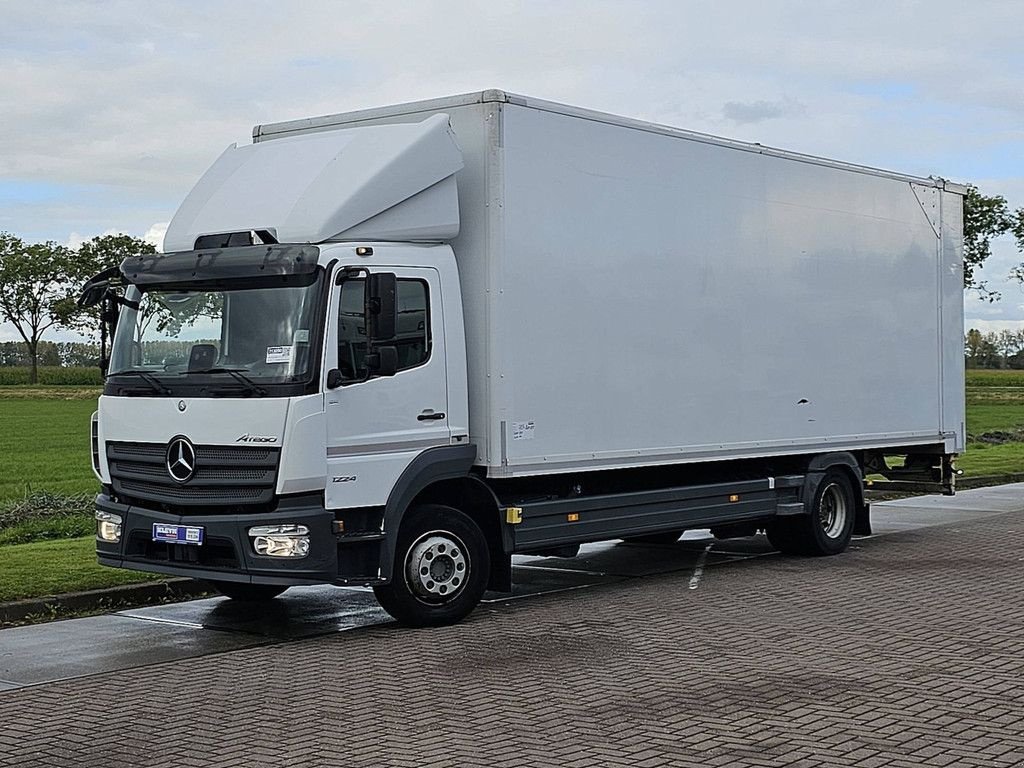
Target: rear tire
826, 528
662, 537
248, 593
441, 568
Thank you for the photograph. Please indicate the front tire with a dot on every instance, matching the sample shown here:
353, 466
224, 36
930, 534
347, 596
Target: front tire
440, 570
826, 528
248, 593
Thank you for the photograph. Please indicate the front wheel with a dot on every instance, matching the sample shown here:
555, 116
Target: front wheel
440, 571
827, 527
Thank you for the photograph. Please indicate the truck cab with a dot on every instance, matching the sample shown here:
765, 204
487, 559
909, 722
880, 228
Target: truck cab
253, 389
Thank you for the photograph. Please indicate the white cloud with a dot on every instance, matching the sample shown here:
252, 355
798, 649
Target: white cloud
758, 111
153, 113
74, 240
155, 234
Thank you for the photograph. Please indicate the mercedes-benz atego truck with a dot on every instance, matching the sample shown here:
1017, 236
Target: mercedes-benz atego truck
396, 347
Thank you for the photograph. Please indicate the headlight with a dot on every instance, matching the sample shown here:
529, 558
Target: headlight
108, 527
286, 540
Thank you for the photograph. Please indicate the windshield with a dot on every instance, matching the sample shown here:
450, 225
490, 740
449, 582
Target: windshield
264, 334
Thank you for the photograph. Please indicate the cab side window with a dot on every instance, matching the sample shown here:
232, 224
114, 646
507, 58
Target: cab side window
413, 335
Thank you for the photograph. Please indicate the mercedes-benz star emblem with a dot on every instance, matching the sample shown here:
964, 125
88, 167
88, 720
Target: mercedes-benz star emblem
181, 459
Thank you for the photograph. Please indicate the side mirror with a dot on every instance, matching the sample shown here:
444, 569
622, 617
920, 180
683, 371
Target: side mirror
95, 289
334, 378
381, 307
383, 361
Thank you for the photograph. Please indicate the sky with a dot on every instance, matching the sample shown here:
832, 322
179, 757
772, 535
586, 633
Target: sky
110, 111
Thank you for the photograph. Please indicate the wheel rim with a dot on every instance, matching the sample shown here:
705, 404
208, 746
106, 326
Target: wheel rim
437, 566
833, 511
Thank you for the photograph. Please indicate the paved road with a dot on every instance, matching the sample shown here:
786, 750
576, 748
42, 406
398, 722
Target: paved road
907, 650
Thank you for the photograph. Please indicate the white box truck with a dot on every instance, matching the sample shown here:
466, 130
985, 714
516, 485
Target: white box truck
395, 347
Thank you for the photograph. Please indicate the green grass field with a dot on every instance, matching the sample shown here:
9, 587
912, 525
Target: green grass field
995, 424
44, 444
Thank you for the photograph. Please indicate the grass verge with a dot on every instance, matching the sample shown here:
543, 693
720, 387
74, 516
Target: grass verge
57, 567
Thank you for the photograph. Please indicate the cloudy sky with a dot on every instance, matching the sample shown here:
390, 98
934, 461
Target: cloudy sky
109, 111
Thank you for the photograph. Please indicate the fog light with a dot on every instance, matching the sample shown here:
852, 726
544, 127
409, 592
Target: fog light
108, 526
280, 540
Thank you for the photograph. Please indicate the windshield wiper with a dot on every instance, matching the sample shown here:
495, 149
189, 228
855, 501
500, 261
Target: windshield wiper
238, 376
157, 385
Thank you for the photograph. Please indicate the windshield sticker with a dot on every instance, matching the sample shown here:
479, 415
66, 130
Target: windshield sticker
279, 354
522, 430
301, 336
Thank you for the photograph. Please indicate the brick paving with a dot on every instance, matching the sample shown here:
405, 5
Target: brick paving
906, 651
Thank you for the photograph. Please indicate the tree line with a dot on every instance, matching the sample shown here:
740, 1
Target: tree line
39, 283
1002, 349
995, 349
67, 354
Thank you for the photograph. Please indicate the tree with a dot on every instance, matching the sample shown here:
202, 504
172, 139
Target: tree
986, 218
92, 257
34, 281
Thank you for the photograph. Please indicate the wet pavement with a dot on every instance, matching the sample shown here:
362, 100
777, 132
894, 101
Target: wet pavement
140, 637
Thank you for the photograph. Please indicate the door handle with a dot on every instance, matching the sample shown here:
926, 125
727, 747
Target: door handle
430, 416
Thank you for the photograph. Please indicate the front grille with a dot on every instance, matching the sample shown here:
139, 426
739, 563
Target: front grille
225, 476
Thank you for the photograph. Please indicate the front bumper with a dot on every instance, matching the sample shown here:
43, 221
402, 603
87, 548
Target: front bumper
226, 554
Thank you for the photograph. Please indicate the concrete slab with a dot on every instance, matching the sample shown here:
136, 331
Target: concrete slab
924, 511
905, 517
994, 500
299, 612
62, 649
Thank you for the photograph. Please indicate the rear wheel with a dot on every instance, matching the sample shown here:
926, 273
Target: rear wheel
827, 527
249, 593
440, 571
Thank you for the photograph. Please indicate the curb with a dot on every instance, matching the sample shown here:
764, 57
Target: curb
98, 599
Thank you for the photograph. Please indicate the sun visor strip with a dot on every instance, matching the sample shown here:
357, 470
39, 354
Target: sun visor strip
246, 263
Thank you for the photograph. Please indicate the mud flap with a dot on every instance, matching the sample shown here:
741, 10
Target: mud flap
862, 523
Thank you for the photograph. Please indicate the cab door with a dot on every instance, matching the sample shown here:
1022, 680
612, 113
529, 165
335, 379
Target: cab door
376, 425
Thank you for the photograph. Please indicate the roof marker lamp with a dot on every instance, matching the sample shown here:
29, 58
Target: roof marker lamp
108, 527
280, 540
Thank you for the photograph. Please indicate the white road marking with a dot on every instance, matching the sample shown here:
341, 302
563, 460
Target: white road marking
698, 569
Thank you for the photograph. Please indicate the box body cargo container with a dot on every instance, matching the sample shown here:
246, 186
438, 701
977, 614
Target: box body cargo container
535, 324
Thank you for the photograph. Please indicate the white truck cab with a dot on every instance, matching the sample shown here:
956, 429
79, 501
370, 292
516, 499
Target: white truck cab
395, 347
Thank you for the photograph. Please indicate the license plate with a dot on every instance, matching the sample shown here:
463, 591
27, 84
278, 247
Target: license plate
178, 534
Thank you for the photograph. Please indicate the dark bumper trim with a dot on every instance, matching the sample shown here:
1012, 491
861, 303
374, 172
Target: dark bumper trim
319, 567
